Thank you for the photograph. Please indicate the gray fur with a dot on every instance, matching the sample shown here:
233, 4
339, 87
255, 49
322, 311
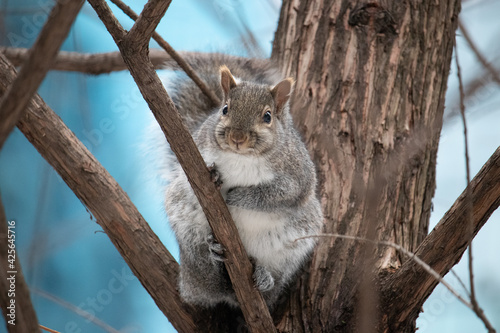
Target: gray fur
269, 184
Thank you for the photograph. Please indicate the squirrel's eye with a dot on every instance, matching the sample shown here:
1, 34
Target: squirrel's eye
267, 117
224, 110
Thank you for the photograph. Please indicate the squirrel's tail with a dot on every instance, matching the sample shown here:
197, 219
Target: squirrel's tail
251, 69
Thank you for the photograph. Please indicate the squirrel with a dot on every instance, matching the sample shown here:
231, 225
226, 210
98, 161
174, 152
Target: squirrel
265, 175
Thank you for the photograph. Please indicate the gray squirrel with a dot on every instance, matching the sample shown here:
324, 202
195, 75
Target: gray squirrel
265, 175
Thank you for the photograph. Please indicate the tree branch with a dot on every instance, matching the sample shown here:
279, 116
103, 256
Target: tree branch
48, 329
148, 20
494, 73
24, 313
36, 66
76, 310
468, 209
98, 63
444, 246
175, 56
103, 63
476, 91
107, 201
237, 263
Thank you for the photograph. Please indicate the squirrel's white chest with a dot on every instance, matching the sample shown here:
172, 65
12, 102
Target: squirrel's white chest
239, 170
260, 232
263, 235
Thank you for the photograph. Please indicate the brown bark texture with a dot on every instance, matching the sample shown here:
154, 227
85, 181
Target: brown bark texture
369, 100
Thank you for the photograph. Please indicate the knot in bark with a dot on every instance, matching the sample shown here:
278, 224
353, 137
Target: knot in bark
374, 15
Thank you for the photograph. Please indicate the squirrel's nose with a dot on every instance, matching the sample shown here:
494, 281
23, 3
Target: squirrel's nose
238, 137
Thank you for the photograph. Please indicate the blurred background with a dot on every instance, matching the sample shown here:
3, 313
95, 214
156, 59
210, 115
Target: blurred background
79, 282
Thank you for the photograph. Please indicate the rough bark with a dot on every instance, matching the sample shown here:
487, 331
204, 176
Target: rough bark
369, 99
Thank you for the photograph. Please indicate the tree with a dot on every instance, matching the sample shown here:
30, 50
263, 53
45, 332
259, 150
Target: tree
369, 102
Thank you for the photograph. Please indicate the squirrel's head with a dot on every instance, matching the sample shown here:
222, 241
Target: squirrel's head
251, 114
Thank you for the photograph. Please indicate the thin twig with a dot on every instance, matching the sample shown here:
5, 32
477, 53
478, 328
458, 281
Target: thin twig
476, 91
462, 284
35, 68
48, 329
73, 308
494, 73
410, 254
186, 67
468, 210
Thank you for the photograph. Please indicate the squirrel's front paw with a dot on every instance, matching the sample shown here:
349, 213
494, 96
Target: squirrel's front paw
215, 175
216, 249
263, 279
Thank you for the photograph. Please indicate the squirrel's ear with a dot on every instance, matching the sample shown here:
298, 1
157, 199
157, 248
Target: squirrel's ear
226, 81
281, 93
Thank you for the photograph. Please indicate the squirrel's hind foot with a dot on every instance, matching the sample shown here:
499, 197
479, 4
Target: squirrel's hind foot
216, 249
263, 279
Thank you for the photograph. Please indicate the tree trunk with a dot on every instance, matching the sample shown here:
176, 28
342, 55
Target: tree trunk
369, 100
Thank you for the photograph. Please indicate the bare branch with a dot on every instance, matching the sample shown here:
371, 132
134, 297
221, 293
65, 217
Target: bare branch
38, 63
445, 245
98, 63
114, 212
494, 73
237, 263
78, 311
468, 209
462, 284
175, 56
103, 63
48, 329
24, 315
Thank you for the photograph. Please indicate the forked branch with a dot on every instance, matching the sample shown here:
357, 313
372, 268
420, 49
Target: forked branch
237, 263
186, 67
444, 246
